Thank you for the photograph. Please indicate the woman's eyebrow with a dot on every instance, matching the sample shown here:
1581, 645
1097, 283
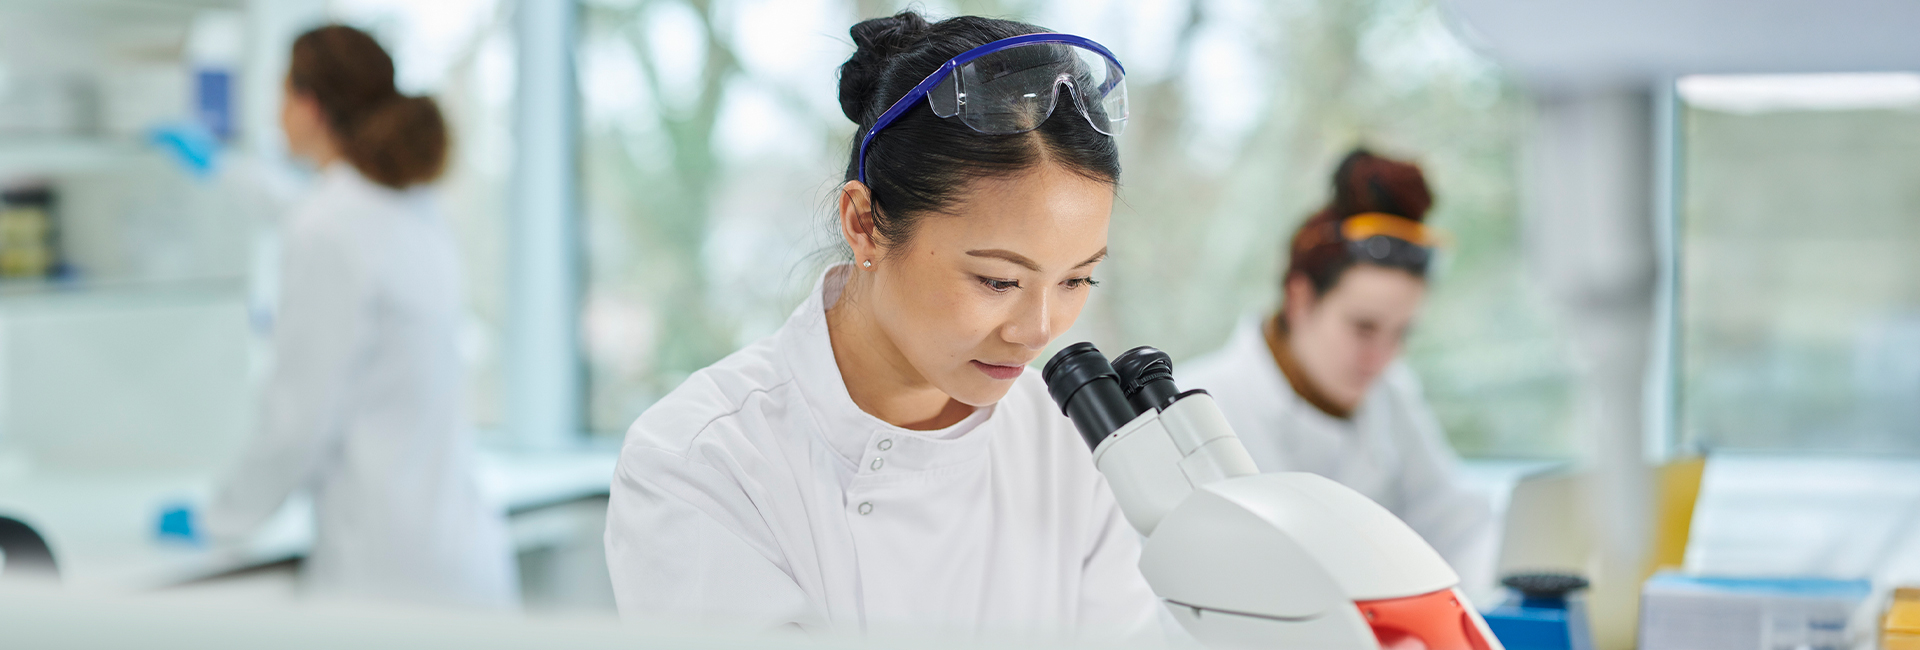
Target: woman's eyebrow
1022, 260
1007, 255
1096, 257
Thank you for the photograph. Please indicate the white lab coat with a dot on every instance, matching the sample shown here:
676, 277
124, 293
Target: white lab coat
757, 493
363, 407
1391, 450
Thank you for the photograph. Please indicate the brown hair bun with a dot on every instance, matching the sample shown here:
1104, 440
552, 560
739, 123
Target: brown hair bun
395, 140
1362, 183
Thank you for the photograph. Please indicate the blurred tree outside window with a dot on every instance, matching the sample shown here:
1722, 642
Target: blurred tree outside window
712, 140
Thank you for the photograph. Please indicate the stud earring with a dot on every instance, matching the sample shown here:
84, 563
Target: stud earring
867, 264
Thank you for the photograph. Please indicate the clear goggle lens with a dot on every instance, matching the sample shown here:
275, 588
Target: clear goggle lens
1015, 89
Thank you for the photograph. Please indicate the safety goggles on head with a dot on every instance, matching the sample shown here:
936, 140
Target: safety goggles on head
1387, 240
1013, 84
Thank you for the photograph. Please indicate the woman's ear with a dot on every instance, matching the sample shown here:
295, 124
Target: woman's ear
301, 105
856, 222
305, 126
1299, 300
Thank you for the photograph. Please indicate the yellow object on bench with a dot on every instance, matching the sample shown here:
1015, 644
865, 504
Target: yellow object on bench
1900, 630
1678, 491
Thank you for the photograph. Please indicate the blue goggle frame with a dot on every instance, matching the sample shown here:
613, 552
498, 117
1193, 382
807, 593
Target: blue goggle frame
926, 85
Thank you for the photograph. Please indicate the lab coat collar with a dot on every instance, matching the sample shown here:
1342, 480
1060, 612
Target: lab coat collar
1249, 342
855, 434
1249, 346
340, 174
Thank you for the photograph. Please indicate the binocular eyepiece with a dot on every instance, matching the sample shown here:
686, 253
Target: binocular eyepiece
1101, 397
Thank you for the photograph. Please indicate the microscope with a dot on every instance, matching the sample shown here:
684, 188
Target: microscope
1244, 559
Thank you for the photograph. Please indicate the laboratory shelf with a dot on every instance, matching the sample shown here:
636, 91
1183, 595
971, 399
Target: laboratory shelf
28, 295
25, 157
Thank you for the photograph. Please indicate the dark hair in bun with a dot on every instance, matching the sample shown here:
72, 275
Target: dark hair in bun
1362, 183
922, 162
393, 139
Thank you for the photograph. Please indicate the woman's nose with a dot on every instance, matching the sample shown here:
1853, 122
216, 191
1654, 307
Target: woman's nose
1032, 323
1378, 356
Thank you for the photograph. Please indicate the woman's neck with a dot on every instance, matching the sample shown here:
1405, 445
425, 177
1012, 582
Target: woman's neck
1281, 342
322, 151
877, 375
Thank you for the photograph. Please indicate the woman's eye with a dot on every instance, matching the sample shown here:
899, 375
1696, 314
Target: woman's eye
1076, 283
1000, 286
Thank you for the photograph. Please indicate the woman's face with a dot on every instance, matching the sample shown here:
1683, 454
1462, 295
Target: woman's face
305, 125
1346, 338
975, 295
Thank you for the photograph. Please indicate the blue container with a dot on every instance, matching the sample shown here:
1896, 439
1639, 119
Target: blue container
1541, 615
213, 101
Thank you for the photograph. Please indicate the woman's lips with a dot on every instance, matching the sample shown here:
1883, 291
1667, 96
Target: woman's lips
999, 372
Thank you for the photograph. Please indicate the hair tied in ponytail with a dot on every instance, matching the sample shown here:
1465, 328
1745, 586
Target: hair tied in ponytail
391, 138
402, 142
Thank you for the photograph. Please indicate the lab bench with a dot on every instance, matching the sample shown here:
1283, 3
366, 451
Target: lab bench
102, 525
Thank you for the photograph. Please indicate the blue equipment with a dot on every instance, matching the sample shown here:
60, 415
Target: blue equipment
1539, 615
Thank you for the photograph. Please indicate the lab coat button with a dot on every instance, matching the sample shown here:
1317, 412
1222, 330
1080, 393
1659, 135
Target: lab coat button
886, 443
876, 464
866, 507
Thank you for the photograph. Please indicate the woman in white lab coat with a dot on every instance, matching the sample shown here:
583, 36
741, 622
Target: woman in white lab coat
887, 460
362, 409
1318, 386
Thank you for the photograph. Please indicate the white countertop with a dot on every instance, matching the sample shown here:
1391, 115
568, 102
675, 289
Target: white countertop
103, 525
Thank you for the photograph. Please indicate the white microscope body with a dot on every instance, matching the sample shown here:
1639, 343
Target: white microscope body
1243, 559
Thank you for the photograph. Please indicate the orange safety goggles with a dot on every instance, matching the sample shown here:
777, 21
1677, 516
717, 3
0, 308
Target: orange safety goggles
1390, 240
1367, 225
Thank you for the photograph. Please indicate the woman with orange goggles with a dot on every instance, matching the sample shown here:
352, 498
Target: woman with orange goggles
1318, 386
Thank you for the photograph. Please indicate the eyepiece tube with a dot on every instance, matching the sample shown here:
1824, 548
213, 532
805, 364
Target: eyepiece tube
1146, 377
1088, 391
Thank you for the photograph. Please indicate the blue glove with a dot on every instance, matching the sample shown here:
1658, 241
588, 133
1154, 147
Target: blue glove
177, 525
190, 145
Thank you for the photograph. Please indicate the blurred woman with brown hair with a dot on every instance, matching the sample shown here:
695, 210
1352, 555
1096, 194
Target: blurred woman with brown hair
1317, 387
363, 405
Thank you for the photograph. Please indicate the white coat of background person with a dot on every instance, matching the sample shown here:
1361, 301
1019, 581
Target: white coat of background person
1318, 387
363, 405
887, 460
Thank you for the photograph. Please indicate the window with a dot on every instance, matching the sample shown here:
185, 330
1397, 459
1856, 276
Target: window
712, 140
1799, 289
706, 163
